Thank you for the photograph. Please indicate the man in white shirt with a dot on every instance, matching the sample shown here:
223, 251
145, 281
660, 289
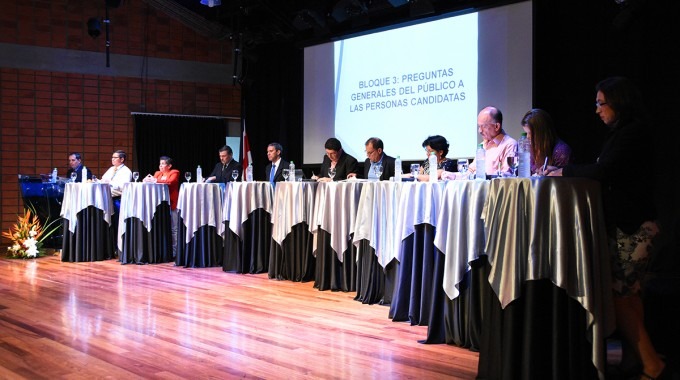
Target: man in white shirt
118, 174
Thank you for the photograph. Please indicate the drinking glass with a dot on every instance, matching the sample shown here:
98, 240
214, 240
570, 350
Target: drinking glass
513, 162
415, 169
462, 166
378, 170
331, 173
187, 176
73, 176
135, 175
285, 174
499, 169
234, 174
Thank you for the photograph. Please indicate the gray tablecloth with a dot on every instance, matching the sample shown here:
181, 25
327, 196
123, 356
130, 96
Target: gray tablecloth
200, 204
79, 196
293, 204
376, 219
460, 229
552, 228
335, 210
241, 199
140, 200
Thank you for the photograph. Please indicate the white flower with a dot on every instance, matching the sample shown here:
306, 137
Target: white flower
32, 233
32, 251
30, 242
16, 247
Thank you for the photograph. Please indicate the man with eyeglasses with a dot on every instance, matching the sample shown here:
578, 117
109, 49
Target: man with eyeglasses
118, 174
374, 157
497, 144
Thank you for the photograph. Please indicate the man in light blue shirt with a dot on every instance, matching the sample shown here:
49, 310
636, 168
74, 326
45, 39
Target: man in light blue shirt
376, 156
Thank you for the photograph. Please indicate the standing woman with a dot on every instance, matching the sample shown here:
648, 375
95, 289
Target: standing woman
629, 209
540, 130
166, 174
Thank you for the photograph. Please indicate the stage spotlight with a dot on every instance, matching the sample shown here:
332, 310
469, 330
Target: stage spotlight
94, 27
211, 3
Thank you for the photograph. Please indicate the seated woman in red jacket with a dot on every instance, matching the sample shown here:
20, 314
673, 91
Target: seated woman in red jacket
166, 174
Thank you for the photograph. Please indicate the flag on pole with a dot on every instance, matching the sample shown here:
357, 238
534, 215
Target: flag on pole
247, 157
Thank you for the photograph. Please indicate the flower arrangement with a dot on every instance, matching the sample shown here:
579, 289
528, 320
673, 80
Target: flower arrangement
28, 235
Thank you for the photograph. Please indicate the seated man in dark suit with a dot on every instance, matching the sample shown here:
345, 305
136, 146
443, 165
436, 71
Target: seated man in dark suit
75, 163
224, 168
376, 156
335, 157
274, 169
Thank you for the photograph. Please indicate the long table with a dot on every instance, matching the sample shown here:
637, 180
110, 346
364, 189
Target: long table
473, 260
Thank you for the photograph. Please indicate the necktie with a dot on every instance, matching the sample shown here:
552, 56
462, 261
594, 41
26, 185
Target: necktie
272, 174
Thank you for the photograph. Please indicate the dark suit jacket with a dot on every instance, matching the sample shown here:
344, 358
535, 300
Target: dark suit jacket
388, 167
346, 164
283, 164
79, 173
223, 175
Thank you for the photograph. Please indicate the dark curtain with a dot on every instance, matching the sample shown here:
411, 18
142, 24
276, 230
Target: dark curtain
189, 141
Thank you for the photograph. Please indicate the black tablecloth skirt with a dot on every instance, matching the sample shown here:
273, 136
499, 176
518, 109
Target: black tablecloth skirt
141, 246
204, 250
459, 322
250, 255
92, 240
293, 260
415, 286
541, 335
374, 284
331, 274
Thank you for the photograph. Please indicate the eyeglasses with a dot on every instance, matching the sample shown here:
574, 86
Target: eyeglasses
115, 157
368, 153
479, 126
600, 104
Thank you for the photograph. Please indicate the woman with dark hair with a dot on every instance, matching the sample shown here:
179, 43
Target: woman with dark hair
540, 130
166, 174
440, 147
629, 209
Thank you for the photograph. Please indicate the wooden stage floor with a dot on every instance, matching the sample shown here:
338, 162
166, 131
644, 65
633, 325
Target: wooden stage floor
106, 320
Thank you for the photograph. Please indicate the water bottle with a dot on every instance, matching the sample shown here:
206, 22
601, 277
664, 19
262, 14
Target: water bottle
199, 174
84, 173
524, 165
249, 173
432, 163
291, 172
480, 162
397, 169
54, 175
